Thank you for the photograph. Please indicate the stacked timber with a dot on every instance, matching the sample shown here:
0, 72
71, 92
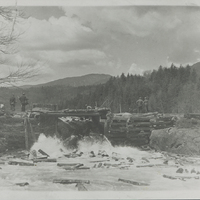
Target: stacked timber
118, 130
136, 129
163, 122
192, 115
139, 130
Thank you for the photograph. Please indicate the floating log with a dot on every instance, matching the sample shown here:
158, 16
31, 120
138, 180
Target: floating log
43, 153
157, 165
111, 165
68, 164
94, 161
70, 181
74, 167
180, 177
22, 184
133, 182
45, 160
20, 163
78, 168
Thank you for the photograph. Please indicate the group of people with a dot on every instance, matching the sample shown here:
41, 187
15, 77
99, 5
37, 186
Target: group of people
142, 105
23, 100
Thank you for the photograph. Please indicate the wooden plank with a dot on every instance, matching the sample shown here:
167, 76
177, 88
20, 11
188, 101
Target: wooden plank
133, 182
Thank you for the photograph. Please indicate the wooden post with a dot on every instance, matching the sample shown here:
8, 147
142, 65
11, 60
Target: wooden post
26, 133
56, 126
32, 132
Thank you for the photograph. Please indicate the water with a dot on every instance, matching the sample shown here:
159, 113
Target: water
102, 178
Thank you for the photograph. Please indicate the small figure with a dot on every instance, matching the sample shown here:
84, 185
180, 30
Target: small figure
139, 103
146, 104
12, 102
24, 101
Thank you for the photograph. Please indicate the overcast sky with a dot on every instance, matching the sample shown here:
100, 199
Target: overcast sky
73, 41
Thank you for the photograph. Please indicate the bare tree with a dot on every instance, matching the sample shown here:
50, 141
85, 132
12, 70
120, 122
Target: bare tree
9, 17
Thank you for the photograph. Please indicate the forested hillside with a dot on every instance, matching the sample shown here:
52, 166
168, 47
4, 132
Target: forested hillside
169, 90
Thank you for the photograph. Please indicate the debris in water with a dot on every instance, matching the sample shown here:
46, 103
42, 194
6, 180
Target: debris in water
179, 170
43, 153
20, 163
68, 164
181, 177
22, 184
91, 154
45, 160
70, 181
133, 182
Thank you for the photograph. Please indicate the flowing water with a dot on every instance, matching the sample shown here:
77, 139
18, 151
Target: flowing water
104, 171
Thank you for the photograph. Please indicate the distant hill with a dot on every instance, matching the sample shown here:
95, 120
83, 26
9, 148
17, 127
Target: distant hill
89, 79
196, 66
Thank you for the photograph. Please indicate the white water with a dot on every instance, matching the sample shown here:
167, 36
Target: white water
40, 177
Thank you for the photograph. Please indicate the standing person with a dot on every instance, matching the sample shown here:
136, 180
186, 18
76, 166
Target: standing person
146, 104
139, 103
12, 102
24, 101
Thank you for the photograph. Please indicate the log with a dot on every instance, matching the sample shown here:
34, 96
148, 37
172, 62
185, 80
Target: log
74, 167
20, 163
70, 181
22, 184
181, 177
43, 153
79, 168
67, 164
94, 161
157, 165
45, 160
139, 119
138, 129
133, 182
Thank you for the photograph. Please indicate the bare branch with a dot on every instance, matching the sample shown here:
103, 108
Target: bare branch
9, 17
23, 72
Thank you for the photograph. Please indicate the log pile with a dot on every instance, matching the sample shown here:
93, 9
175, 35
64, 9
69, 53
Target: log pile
136, 130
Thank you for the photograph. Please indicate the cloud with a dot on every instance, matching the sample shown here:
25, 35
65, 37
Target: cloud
111, 39
135, 70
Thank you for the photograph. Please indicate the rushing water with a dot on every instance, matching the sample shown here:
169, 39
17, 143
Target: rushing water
103, 177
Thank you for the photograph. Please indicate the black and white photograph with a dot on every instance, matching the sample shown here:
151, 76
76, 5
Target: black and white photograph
99, 99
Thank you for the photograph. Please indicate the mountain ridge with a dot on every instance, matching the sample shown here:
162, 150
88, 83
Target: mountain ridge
85, 80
